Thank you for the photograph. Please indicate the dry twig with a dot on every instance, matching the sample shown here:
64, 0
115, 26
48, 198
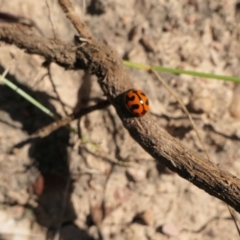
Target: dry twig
184, 109
45, 131
102, 61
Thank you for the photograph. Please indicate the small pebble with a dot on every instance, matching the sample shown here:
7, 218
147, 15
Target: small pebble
169, 229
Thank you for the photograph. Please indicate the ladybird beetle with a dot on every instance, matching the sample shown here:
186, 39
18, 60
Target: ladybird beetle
136, 102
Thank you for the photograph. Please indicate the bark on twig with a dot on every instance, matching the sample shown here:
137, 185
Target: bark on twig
81, 28
102, 61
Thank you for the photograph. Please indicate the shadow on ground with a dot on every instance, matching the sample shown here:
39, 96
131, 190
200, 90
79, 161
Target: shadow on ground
55, 210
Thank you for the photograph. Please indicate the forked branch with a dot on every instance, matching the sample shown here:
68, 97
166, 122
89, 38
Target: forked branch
102, 61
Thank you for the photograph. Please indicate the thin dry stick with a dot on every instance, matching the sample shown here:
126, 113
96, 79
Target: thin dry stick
55, 89
51, 19
74, 18
205, 225
184, 109
106, 157
194, 127
6, 17
45, 131
234, 218
101, 60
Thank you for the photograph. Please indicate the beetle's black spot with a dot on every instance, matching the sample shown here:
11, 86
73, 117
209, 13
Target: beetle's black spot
143, 112
147, 102
129, 99
143, 94
135, 106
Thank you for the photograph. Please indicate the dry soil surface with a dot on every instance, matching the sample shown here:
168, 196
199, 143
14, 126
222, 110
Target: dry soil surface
60, 186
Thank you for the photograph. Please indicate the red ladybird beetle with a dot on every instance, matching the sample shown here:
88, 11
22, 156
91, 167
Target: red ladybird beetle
136, 102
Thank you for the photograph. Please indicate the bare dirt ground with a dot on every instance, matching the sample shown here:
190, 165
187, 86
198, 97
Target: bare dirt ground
60, 186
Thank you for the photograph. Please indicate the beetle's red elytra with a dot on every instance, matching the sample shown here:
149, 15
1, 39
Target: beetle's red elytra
136, 102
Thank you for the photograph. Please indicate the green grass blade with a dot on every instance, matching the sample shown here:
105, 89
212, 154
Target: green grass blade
27, 97
180, 71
